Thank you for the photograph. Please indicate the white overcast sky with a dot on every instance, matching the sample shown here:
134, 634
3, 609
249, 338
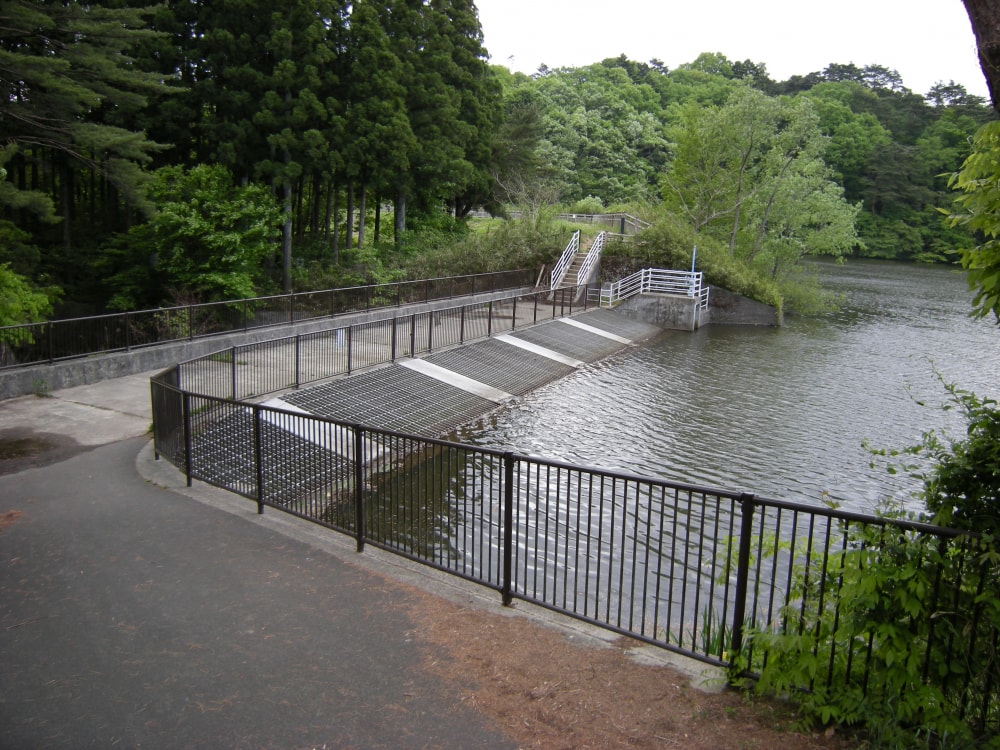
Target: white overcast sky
925, 40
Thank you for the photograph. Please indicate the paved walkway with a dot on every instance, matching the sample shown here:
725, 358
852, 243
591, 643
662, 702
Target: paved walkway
134, 616
138, 613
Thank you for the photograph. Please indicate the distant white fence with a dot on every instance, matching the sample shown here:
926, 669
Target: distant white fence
656, 281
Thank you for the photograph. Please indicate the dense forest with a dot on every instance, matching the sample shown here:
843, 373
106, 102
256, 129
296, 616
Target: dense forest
211, 150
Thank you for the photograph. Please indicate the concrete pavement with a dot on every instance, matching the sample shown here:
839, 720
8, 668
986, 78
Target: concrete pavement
136, 612
135, 616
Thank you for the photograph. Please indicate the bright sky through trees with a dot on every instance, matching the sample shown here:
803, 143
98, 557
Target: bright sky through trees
924, 40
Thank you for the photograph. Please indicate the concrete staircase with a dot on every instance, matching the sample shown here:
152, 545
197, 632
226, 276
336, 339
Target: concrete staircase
569, 279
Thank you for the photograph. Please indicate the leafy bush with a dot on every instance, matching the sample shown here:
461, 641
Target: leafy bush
505, 246
209, 240
588, 205
900, 634
670, 244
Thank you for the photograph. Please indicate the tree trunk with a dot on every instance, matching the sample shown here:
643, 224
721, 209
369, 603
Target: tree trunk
286, 258
66, 201
350, 215
361, 212
378, 217
299, 222
985, 18
328, 213
336, 222
399, 217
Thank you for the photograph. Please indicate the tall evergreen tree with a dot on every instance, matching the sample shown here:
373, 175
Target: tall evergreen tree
70, 83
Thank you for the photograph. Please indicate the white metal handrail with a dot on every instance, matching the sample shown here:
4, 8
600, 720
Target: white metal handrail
657, 281
592, 259
559, 272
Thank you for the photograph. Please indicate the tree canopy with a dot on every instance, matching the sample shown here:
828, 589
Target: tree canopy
341, 111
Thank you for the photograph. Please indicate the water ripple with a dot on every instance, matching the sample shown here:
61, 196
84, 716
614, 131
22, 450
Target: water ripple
779, 412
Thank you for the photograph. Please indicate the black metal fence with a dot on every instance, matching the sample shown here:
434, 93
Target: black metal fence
278, 364
55, 340
690, 569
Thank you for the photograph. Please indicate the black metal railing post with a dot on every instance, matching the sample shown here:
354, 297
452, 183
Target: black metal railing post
513, 315
747, 507
154, 389
395, 327
350, 348
359, 486
298, 355
232, 359
413, 335
128, 333
188, 460
258, 454
49, 341
489, 319
461, 326
508, 528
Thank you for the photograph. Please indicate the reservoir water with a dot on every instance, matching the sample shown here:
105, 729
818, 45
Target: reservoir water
781, 412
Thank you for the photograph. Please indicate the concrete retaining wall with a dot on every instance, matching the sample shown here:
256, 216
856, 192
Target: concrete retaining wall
678, 313
43, 378
668, 311
735, 309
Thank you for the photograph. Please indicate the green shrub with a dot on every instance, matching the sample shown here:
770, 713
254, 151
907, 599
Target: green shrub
900, 633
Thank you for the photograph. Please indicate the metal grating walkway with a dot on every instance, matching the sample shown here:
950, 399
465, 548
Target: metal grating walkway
570, 341
405, 400
618, 324
393, 398
494, 363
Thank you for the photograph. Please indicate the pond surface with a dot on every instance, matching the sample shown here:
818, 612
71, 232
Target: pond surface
778, 412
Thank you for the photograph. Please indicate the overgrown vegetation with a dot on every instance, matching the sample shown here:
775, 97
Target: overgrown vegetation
376, 128
670, 243
896, 631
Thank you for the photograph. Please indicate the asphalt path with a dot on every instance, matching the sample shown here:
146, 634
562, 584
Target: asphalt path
133, 615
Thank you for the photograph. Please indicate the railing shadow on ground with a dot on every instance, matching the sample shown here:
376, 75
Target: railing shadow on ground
689, 569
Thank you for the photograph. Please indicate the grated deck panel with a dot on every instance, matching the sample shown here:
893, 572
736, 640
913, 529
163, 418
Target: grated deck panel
393, 398
571, 341
296, 468
618, 324
502, 366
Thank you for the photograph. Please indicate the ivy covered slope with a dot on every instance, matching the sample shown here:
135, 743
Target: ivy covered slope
389, 113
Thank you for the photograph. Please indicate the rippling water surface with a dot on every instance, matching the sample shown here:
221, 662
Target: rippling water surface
779, 412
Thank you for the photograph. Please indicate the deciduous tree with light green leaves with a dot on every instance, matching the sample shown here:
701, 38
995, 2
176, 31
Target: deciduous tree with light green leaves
751, 174
978, 207
207, 241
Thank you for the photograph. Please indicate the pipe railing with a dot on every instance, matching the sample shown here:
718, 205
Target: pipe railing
593, 258
57, 340
656, 281
565, 261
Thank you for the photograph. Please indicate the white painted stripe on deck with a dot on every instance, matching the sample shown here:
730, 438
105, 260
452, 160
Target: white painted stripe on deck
331, 437
598, 331
540, 350
459, 381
